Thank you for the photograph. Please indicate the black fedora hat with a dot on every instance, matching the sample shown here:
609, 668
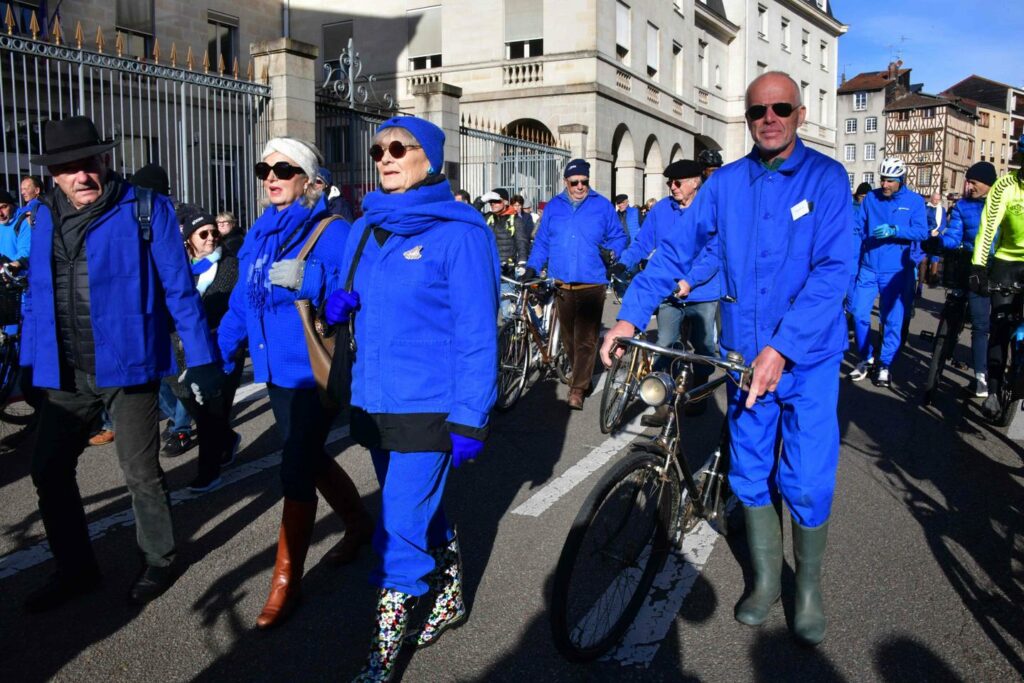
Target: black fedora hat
70, 139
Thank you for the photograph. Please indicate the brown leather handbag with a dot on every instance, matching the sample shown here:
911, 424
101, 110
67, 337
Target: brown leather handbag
319, 336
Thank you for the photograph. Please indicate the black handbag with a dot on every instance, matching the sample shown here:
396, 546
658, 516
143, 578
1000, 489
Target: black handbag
339, 379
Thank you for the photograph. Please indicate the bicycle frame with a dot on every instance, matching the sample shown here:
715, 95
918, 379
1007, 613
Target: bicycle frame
546, 335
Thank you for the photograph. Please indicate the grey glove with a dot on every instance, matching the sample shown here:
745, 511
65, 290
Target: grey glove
287, 273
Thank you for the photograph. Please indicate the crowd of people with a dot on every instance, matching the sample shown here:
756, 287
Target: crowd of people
135, 301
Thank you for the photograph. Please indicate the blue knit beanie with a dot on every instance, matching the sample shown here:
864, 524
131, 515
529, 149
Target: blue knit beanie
426, 133
576, 167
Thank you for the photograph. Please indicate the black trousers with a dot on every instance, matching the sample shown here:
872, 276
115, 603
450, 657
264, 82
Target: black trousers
65, 420
303, 423
213, 423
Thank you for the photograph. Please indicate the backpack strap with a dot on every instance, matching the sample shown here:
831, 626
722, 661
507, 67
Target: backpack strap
355, 258
144, 212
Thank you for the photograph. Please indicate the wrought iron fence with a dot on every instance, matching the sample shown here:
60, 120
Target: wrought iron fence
344, 136
205, 129
491, 160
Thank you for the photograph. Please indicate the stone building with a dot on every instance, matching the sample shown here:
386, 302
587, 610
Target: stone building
860, 120
935, 137
1002, 109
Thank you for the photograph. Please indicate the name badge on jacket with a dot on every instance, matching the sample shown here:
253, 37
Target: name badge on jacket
414, 254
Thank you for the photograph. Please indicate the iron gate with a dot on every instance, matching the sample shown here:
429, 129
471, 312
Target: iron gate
491, 160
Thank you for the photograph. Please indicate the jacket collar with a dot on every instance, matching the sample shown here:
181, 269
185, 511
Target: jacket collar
790, 166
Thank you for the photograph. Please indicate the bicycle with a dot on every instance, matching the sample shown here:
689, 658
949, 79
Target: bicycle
1009, 391
637, 513
527, 340
12, 287
621, 384
956, 268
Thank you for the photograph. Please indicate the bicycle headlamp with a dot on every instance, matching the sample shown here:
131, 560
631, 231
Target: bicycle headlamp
656, 389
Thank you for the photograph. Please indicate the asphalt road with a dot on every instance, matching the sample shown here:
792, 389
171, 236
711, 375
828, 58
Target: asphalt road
923, 579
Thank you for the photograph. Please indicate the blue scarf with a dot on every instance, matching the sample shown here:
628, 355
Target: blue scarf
417, 209
266, 237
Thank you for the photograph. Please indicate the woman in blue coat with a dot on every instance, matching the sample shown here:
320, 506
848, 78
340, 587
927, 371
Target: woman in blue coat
425, 298
261, 309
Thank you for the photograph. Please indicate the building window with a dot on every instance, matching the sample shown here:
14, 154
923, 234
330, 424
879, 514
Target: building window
956, 145
927, 142
335, 39
677, 66
805, 93
222, 44
928, 113
1005, 124
22, 11
134, 18
902, 143
785, 34
850, 152
868, 177
853, 179
903, 115
702, 62
860, 101
970, 149
762, 22
924, 176
623, 30
869, 151
871, 124
653, 50
992, 149
822, 107
851, 126
524, 29
824, 56
983, 120
424, 27
805, 46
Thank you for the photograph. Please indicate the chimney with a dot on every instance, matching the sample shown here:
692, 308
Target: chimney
893, 70
842, 78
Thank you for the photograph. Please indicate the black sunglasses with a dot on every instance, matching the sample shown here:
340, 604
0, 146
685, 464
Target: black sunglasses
282, 170
757, 111
675, 183
203, 234
396, 149
575, 183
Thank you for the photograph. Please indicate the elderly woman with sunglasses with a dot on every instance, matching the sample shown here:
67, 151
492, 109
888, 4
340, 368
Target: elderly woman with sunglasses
262, 310
578, 224
424, 300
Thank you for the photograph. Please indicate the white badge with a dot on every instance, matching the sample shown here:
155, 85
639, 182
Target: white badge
800, 210
415, 253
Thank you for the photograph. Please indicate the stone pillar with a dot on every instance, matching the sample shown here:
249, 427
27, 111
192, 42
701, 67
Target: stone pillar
289, 66
439, 104
629, 179
575, 135
654, 187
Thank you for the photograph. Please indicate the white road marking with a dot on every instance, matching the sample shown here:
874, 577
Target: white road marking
29, 557
250, 392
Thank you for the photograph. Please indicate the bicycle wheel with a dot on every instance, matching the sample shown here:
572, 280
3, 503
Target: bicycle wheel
1009, 397
9, 350
943, 349
617, 545
513, 363
619, 388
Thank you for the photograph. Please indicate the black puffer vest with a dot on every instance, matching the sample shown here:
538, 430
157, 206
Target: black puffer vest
72, 306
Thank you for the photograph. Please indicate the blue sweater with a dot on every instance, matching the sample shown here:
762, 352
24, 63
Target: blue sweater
569, 239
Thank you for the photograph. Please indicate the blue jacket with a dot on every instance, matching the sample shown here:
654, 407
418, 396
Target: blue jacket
782, 241
133, 286
265, 314
426, 338
963, 224
569, 239
905, 210
16, 247
664, 219
632, 226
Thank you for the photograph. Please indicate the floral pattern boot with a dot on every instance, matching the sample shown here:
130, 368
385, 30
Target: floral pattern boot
449, 609
393, 609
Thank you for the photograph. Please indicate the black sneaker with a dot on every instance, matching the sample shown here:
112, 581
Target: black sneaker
177, 443
229, 455
60, 589
151, 584
203, 484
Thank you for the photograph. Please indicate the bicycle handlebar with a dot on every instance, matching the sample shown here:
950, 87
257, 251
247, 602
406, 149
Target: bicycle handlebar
528, 283
732, 363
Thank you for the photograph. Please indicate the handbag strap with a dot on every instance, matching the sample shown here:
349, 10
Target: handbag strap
314, 236
355, 258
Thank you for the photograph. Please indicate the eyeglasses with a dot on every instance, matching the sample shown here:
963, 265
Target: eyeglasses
576, 183
282, 170
676, 184
396, 149
757, 111
205, 234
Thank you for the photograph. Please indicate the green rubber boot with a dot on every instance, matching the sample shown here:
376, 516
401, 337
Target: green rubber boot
764, 538
809, 615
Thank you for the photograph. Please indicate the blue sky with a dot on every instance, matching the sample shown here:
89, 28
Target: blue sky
943, 41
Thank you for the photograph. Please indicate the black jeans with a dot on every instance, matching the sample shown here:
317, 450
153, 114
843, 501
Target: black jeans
213, 423
65, 420
303, 423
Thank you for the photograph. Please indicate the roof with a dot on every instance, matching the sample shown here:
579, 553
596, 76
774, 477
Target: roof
990, 93
869, 80
922, 100
718, 7
827, 10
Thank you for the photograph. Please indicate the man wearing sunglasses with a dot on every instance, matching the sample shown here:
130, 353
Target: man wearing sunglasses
780, 234
577, 225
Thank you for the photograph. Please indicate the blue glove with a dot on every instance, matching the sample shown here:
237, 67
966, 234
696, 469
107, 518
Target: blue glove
465, 448
884, 231
1018, 334
340, 305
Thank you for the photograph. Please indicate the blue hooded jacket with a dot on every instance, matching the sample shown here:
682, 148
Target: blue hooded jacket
904, 210
667, 218
568, 239
16, 245
782, 241
133, 285
963, 224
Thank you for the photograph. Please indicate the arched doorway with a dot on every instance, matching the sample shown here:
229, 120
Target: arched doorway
530, 130
626, 172
703, 142
654, 187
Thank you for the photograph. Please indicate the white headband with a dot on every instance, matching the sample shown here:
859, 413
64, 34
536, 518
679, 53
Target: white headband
302, 153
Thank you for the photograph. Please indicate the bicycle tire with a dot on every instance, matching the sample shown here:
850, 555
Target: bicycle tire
940, 354
513, 363
588, 555
1007, 399
616, 395
563, 369
9, 367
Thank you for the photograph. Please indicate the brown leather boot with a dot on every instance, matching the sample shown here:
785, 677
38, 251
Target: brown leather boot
342, 495
292, 543
576, 399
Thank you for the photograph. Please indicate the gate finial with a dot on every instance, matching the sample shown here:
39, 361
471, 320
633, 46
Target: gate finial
206, 61
189, 62
33, 26
79, 35
9, 20
100, 42
234, 71
248, 71
156, 50
119, 43
220, 65
57, 33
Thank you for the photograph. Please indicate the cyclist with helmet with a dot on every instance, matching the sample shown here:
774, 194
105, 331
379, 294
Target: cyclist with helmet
891, 219
999, 259
710, 161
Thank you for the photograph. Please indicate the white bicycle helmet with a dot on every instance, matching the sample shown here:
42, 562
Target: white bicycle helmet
892, 167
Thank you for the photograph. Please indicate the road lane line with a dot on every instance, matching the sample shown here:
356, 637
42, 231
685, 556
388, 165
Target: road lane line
33, 555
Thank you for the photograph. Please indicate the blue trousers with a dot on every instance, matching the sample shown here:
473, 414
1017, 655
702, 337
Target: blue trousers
174, 410
803, 470
890, 289
981, 313
703, 334
411, 520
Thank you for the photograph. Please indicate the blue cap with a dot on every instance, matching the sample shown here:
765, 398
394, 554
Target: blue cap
325, 175
426, 133
576, 167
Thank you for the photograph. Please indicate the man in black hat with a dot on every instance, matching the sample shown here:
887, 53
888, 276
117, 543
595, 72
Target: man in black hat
700, 307
109, 274
629, 217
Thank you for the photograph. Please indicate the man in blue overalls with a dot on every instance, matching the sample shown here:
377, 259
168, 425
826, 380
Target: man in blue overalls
780, 226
